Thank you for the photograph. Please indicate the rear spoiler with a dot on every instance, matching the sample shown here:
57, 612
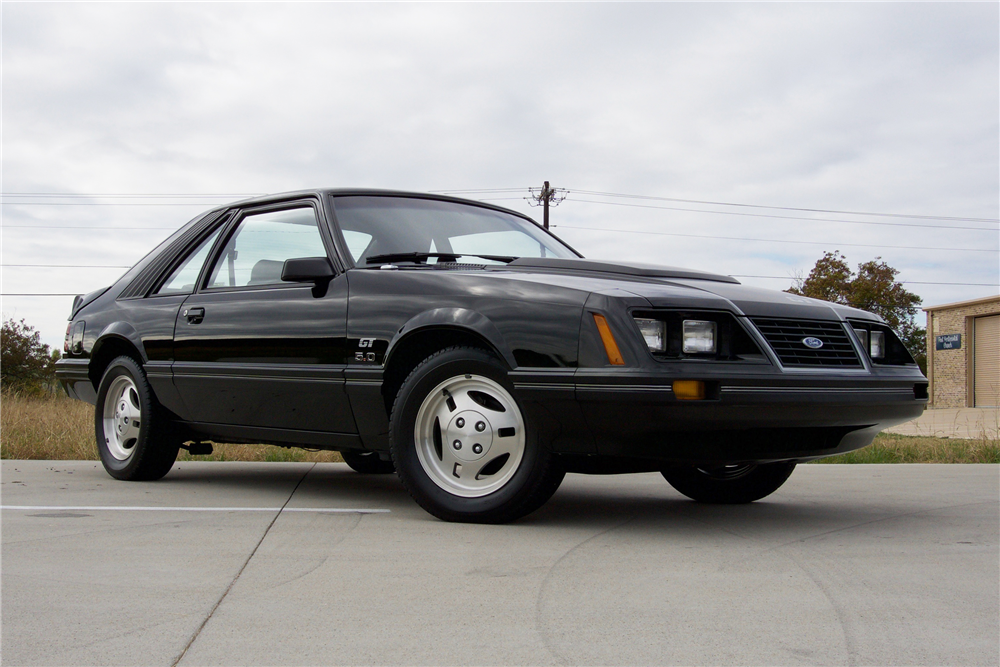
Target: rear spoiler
81, 300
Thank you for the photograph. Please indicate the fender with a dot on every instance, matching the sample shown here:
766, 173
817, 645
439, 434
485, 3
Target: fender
121, 330
460, 318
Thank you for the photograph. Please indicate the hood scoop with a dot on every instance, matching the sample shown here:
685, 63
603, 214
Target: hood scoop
621, 268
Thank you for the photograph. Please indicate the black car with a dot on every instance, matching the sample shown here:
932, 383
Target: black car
473, 352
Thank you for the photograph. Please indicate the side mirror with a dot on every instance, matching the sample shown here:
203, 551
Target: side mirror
307, 270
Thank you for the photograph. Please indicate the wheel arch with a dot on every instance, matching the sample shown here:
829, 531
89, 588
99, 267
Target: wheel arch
435, 330
118, 339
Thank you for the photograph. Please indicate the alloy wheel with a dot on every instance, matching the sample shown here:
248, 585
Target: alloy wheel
469, 435
122, 418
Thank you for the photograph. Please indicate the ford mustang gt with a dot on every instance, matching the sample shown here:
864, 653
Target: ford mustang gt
472, 352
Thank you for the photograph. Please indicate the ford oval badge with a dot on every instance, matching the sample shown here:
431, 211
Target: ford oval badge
813, 343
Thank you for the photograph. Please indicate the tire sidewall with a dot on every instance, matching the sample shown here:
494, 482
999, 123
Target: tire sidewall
763, 480
500, 505
125, 469
367, 463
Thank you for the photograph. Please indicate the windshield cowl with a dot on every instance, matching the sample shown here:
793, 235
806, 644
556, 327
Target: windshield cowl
441, 257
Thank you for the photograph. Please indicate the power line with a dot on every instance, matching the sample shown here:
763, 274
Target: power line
75, 203
81, 227
489, 190
790, 208
739, 238
128, 195
68, 266
34, 294
782, 217
734, 275
467, 191
904, 282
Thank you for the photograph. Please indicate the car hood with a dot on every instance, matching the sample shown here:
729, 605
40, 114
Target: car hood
618, 268
671, 287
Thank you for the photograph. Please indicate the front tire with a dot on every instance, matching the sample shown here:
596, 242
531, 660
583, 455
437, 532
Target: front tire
367, 463
729, 484
462, 445
132, 436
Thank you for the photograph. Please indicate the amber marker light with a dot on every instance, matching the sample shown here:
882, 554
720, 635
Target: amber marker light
610, 346
689, 390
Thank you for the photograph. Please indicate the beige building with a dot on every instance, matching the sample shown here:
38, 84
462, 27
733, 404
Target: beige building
963, 353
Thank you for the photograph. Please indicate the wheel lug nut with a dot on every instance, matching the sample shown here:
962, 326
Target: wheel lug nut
457, 444
480, 426
460, 422
477, 449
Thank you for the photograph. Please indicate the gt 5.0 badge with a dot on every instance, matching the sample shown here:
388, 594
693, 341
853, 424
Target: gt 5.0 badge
372, 350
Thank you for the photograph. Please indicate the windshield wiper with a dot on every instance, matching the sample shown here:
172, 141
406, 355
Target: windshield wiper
422, 257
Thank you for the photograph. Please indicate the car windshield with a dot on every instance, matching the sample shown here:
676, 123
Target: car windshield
374, 226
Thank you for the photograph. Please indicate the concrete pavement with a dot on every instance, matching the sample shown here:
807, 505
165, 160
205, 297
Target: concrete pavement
846, 564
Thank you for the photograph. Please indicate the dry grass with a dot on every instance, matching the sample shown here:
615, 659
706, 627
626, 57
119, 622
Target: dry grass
895, 448
47, 427
262, 453
57, 427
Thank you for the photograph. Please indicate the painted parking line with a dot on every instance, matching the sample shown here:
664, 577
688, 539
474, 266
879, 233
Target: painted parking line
132, 508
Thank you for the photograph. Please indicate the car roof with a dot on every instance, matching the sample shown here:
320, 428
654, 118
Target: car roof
371, 192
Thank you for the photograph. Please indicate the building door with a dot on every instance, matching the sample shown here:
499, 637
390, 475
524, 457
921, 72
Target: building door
986, 362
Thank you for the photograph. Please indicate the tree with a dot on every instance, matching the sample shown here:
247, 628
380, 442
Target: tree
873, 288
26, 365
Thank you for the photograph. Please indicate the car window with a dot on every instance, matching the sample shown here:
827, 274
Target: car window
408, 224
182, 280
512, 244
357, 242
257, 250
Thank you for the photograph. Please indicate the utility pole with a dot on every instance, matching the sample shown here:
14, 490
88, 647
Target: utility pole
545, 197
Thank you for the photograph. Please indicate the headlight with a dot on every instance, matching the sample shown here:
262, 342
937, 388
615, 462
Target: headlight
862, 335
873, 344
699, 336
877, 344
654, 332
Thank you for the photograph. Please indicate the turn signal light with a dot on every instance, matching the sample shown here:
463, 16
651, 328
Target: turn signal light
689, 390
610, 346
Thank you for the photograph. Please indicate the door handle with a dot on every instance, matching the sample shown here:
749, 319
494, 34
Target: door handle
194, 315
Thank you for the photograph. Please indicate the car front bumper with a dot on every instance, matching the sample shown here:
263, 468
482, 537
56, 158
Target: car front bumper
767, 417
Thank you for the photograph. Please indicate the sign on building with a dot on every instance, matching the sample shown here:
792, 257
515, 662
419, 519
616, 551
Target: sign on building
948, 342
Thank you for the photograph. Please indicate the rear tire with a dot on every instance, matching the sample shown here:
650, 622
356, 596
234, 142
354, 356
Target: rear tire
367, 463
729, 484
462, 445
133, 437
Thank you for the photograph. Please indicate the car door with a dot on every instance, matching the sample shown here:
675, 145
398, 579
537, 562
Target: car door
155, 316
252, 350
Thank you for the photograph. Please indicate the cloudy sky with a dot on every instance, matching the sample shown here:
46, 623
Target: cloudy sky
841, 109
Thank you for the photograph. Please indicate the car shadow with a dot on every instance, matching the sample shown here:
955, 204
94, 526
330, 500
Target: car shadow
573, 505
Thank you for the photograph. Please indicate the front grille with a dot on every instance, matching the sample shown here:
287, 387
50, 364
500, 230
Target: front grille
785, 338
